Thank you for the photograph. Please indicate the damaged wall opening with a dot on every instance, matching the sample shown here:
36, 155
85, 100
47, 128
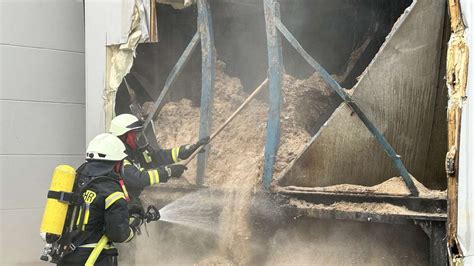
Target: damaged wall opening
344, 36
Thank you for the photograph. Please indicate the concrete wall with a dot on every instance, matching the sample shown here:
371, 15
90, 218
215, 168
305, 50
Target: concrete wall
42, 114
466, 154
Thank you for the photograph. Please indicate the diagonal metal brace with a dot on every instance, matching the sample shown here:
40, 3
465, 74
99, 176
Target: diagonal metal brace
177, 69
353, 105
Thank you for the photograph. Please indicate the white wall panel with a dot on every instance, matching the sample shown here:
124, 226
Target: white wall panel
31, 176
42, 114
95, 66
20, 243
41, 75
466, 154
54, 24
41, 128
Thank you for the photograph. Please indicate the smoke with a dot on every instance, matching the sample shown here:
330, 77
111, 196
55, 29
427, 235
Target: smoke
267, 236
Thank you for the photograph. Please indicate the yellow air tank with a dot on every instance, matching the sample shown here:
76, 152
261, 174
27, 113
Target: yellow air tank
55, 211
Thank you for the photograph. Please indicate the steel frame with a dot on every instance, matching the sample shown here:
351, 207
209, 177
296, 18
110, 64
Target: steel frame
274, 28
429, 214
205, 36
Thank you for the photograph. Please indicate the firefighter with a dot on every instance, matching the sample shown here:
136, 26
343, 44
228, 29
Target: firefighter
145, 166
104, 213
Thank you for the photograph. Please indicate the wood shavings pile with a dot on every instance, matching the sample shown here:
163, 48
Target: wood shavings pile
235, 158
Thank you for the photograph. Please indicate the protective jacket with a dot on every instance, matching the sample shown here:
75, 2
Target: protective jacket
145, 167
105, 212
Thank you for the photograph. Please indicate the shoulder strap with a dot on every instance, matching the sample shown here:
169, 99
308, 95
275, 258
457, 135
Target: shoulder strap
66, 197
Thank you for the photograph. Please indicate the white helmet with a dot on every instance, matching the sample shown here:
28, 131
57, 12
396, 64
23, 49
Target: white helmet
106, 147
124, 123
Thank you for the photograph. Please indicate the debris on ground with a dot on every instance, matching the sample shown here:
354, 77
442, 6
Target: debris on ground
394, 186
363, 207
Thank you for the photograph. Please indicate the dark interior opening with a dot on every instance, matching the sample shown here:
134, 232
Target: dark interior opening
343, 36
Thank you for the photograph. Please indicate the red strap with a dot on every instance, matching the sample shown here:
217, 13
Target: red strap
124, 189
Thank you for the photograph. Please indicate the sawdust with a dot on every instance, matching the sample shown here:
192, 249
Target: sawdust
235, 158
393, 186
303, 103
241, 144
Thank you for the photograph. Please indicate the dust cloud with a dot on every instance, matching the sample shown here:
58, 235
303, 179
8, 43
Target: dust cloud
332, 242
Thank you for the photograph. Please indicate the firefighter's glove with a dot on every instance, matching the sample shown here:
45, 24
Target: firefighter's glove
175, 170
135, 208
135, 221
186, 150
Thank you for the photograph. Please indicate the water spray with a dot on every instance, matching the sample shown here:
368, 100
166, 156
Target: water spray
200, 210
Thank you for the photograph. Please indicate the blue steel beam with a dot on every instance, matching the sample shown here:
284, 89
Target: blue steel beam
208, 75
177, 69
275, 76
353, 105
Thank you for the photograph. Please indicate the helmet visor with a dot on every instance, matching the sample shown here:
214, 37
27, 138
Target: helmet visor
136, 125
